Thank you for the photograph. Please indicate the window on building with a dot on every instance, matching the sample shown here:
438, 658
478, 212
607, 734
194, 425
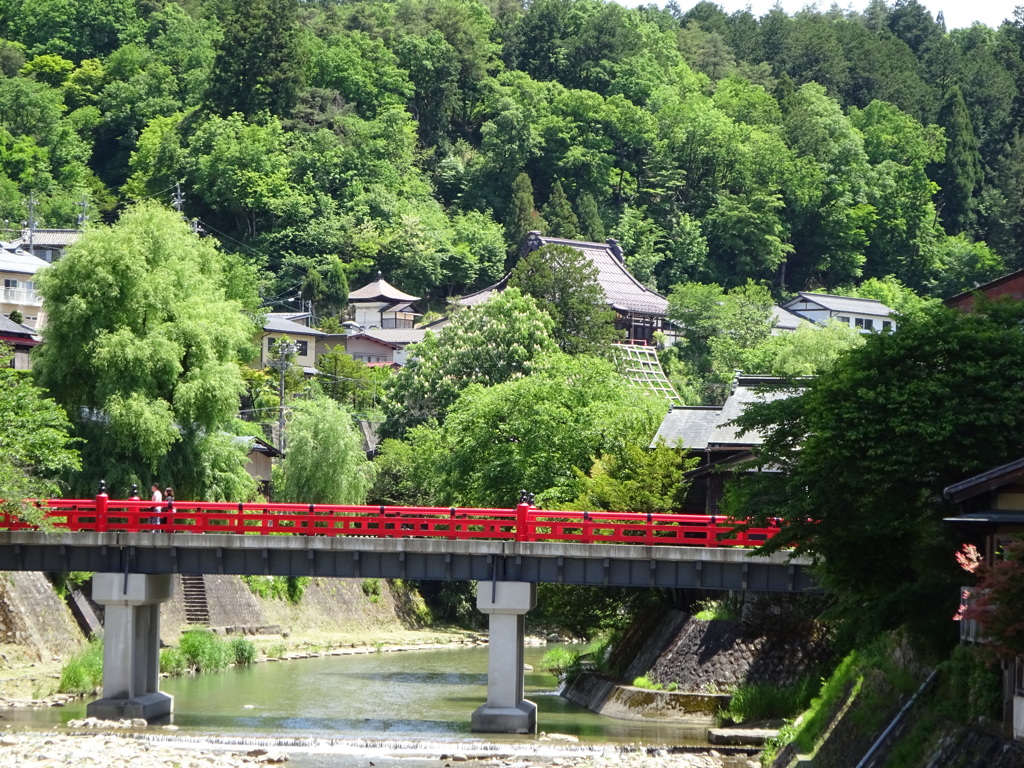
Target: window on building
843, 319
302, 347
864, 322
887, 325
10, 283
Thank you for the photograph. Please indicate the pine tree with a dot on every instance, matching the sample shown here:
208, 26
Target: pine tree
522, 216
960, 175
258, 66
591, 226
558, 214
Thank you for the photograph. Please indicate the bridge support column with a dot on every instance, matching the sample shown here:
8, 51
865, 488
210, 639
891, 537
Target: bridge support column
506, 711
131, 645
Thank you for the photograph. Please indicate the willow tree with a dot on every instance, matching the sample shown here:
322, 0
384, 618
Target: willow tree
145, 335
324, 462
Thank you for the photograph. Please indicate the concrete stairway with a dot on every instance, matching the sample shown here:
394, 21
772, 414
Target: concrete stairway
197, 611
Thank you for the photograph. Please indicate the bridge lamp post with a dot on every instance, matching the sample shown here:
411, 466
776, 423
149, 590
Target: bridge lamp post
285, 350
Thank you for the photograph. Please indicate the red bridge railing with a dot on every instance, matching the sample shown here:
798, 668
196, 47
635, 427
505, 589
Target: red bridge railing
524, 523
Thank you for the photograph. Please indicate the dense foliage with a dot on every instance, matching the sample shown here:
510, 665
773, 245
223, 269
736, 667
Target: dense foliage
144, 337
424, 138
867, 448
35, 447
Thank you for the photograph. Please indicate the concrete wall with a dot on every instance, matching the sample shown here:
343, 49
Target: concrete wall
34, 618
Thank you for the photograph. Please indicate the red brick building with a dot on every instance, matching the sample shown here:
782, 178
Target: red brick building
1011, 285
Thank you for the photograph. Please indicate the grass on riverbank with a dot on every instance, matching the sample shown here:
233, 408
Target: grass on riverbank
83, 672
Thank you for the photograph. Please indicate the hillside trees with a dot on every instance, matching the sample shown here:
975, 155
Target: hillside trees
145, 334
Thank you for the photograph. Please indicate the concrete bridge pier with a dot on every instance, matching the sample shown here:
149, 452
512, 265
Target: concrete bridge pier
131, 645
506, 711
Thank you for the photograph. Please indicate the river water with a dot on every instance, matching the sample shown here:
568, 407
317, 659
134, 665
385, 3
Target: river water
416, 702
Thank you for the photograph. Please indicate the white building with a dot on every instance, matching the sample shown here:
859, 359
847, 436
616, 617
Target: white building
18, 269
867, 315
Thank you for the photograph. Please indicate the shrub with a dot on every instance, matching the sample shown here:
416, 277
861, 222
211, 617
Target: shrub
243, 651
645, 682
371, 588
83, 672
765, 701
172, 662
203, 651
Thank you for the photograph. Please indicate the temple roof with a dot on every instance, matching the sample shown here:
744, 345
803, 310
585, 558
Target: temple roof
380, 290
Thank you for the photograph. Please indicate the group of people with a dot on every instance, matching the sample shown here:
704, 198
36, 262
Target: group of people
159, 499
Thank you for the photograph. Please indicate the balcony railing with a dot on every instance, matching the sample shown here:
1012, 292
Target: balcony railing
22, 296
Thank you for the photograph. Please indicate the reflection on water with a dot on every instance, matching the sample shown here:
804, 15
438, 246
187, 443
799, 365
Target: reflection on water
414, 695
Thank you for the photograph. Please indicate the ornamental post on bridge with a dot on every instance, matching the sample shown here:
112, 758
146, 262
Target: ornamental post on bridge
506, 711
131, 645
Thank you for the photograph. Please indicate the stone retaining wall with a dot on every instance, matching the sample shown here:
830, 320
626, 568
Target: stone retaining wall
34, 618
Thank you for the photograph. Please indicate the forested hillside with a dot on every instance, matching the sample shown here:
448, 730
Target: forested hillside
425, 137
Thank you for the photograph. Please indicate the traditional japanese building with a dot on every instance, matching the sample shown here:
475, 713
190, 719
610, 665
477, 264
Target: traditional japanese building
639, 310
381, 305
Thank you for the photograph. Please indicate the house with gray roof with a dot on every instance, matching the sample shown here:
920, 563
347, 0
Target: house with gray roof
639, 310
279, 325
21, 339
867, 315
48, 244
709, 432
383, 346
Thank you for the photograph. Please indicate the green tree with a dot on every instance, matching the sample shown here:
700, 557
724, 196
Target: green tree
258, 65
493, 342
960, 175
591, 225
563, 281
324, 461
636, 479
809, 350
531, 432
522, 215
35, 447
346, 380
558, 214
142, 347
864, 453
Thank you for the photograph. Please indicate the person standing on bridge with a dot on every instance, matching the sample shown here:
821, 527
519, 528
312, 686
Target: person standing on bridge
156, 498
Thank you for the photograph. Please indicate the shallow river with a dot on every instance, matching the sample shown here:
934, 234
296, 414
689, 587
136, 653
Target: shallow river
362, 703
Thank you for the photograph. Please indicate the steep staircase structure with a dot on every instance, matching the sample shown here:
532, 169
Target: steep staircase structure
197, 610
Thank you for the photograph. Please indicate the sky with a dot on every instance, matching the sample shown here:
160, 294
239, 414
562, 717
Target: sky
959, 13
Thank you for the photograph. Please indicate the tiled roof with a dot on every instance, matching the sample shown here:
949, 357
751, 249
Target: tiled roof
275, 324
784, 320
398, 336
623, 291
13, 259
986, 481
380, 290
840, 304
701, 427
10, 328
51, 238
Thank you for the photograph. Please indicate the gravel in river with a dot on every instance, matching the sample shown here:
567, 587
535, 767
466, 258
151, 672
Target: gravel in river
57, 750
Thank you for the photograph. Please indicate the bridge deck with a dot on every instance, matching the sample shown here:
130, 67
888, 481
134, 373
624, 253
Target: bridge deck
427, 559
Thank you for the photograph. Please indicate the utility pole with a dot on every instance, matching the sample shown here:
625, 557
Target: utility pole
83, 206
31, 222
179, 199
285, 349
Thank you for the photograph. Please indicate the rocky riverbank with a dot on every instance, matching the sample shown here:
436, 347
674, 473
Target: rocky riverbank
105, 750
